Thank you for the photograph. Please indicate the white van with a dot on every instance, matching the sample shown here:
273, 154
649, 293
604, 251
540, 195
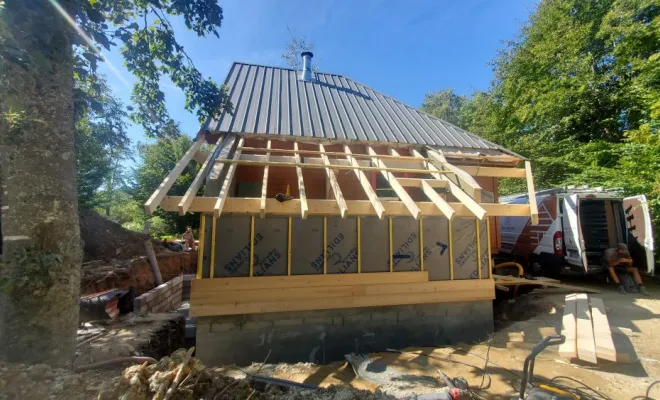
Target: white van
576, 226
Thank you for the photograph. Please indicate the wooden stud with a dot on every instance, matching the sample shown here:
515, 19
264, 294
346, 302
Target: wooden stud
154, 201
451, 255
439, 202
339, 197
421, 244
568, 349
586, 346
213, 246
462, 177
200, 248
224, 191
391, 247
359, 247
264, 184
288, 252
366, 185
252, 246
301, 185
396, 186
533, 207
490, 254
187, 198
325, 245
478, 226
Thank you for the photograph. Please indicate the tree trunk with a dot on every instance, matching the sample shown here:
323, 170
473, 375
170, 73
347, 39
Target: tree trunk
42, 250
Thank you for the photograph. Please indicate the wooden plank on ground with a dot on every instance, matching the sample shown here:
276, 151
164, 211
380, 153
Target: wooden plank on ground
568, 349
586, 345
602, 335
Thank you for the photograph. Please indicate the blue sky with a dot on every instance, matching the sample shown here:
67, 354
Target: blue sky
402, 48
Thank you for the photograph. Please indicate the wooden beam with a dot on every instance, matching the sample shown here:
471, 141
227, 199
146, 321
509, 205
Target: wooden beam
187, 199
395, 208
602, 334
417, 182
495, 172
301, 185
264, 184
442, 205
476, 209
396, 186
201, 155
154, 201
568, 349
328, 153
336, 190
258, 163
586, 346
462, 178
224, 191
366, 185
533, 207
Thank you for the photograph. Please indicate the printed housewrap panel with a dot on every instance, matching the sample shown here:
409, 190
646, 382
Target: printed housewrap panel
464, 249
375, 244
436, 248
232, 246
485, 256
405, 244
342, 245
270, 246
307, 246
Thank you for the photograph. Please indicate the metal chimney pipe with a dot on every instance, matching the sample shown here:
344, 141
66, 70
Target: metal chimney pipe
306, 74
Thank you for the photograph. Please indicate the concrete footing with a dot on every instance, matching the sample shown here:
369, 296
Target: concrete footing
325, 336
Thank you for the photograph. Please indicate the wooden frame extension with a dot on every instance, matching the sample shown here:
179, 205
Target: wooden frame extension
428, 173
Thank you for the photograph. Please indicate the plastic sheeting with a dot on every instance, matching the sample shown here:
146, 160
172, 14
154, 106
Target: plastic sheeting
375, 244
307, 246
270, 246
405, 244
232, 246
464, 249
436, 248
342, 245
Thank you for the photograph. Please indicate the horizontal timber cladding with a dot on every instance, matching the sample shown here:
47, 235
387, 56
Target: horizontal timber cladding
405, 244
342, 251
375, 244
307, 246
232, 296
436, 248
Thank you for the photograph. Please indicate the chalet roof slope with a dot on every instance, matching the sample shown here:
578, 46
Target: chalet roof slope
273, 100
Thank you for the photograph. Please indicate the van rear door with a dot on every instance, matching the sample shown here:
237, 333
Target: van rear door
572, 235
638, 223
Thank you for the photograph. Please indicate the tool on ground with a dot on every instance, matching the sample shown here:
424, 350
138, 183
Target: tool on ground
457, 388
542, 392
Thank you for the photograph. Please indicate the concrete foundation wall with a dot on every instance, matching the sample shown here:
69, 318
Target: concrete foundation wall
165, 297
325, 336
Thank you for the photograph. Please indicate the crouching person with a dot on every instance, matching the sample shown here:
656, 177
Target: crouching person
619, 258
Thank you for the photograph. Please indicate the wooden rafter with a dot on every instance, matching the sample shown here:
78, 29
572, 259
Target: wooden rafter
301, 184
328, 153
396, 186
152, 204
336, 190
197, 182
533, 207
224, 191
466, 181
264, 184
366, 185
456, 191
442, 205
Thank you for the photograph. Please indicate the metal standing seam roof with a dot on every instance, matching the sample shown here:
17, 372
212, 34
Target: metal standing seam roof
273, 100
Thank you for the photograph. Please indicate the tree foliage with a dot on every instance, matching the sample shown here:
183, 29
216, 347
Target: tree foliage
294, 48
578, 92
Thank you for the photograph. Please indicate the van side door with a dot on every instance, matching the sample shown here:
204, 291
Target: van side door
638, 224
573, 242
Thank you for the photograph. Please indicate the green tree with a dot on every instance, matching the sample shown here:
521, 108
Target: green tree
445, 105
156, 161
40, 54
296, 46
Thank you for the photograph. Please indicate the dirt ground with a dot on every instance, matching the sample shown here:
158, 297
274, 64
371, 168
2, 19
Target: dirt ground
521, 323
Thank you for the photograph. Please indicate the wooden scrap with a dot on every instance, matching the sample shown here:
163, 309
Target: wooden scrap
586, 345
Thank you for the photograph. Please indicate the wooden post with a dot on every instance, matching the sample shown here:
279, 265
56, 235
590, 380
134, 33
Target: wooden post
359, 247
200, 248
391, 248
421, 243
478, 225
451, 255
490, 254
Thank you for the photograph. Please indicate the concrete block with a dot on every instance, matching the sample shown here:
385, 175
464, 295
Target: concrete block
357, 319
319, 320
177, 280
288, 322
188, 277
203, 328
389, 316
337, 321
256, 325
